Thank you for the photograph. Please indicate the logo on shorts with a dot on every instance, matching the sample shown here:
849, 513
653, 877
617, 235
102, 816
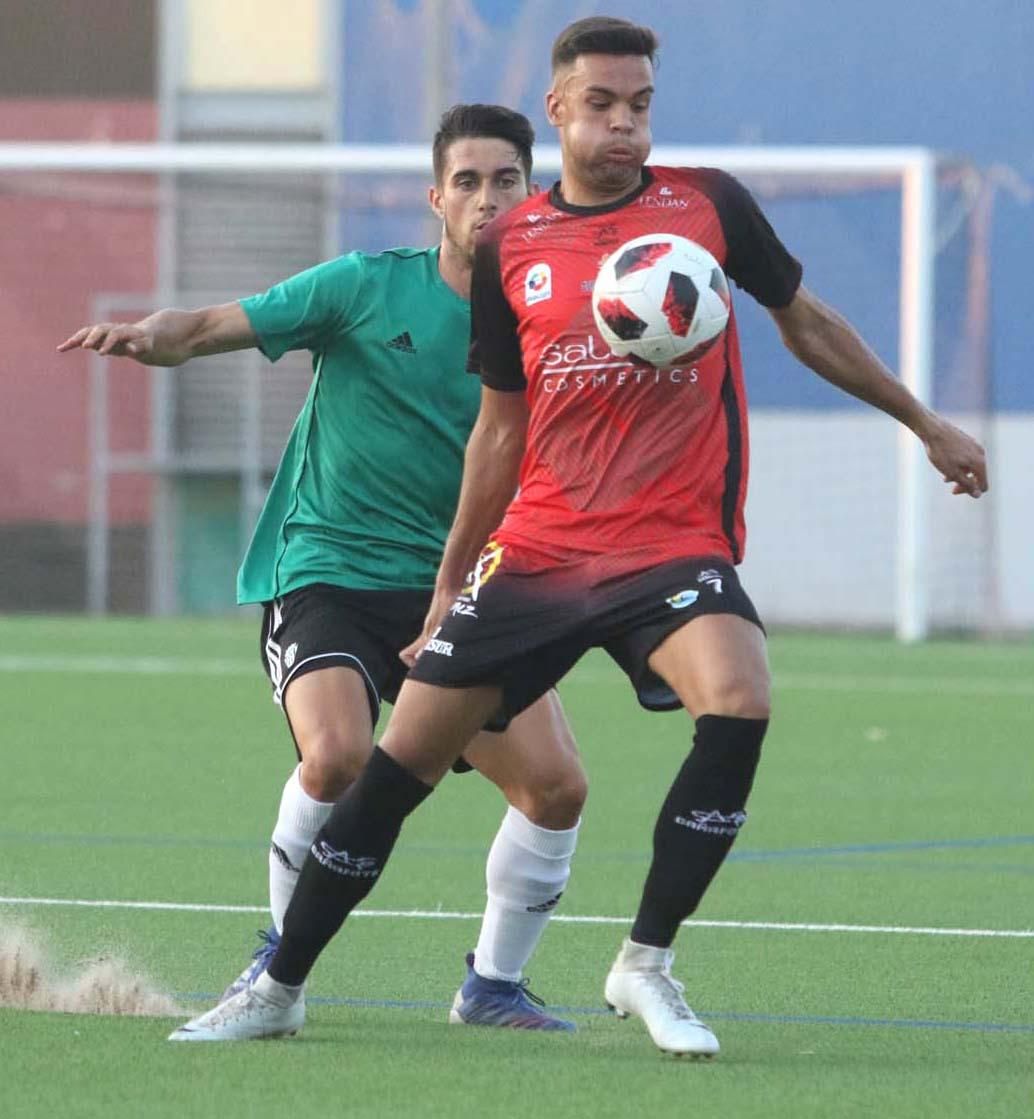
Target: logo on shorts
683, 599
463, 608
712, 578
714, 822
487, 565
290, 653
442, 648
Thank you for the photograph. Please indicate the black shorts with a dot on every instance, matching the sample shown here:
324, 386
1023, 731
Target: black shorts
525, 631
322, 625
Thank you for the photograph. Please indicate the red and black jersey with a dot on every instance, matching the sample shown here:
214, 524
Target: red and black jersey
626, 463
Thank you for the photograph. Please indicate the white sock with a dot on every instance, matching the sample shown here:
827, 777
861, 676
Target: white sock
300, 819
526, 873
277, 993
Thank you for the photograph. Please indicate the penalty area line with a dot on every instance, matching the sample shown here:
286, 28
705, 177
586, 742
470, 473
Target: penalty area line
590, 676
558, 918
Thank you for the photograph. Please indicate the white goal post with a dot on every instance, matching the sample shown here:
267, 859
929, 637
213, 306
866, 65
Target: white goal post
912, 169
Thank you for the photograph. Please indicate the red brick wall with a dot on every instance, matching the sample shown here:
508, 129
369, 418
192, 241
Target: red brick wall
64, 238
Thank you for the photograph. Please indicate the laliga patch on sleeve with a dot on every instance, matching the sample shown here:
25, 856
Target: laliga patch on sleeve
538, 284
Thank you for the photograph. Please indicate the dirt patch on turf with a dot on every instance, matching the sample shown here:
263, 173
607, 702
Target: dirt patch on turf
29, 981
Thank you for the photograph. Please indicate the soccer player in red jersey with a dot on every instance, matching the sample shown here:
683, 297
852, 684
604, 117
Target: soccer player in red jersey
625, 530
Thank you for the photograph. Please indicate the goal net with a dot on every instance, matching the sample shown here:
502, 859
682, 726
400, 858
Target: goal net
135, 490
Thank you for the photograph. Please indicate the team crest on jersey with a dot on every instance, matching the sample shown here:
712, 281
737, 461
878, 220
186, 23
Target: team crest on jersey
683, 599
538, 284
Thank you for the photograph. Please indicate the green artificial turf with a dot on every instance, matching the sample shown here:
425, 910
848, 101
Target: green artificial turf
143, 760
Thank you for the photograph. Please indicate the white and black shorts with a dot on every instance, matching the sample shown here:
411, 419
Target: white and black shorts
321, 625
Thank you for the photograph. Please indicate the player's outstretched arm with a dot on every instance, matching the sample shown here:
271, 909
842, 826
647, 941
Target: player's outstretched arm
169, 337
827, 343
491, 467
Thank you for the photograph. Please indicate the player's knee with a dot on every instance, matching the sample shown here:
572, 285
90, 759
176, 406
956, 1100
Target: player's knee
746, 697
554, 801
331, 761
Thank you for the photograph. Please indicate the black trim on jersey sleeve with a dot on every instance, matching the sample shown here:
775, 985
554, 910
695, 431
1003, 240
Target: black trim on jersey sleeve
757, 260
495, 350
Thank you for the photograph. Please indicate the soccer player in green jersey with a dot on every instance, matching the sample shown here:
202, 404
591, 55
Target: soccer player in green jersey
347, 546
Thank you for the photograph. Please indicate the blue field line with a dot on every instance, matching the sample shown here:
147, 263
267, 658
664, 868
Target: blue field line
883, 848
707, 1015
788, 854
91, 840
926, 866
849, 1020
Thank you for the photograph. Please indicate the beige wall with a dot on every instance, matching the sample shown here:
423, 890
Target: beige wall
254, 44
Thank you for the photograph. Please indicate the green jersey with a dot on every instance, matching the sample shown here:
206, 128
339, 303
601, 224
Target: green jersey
368, 483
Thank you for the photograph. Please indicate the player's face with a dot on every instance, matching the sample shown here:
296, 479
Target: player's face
482, 178
600, 104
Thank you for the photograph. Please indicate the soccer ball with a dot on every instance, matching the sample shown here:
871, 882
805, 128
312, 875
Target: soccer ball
660, 298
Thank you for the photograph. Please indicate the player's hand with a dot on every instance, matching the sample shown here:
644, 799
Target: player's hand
959, 458
117, 339
441, 601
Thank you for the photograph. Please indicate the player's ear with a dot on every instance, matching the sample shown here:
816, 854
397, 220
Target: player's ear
553, 106
435, 201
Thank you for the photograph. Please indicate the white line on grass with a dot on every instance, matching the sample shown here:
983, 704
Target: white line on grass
561, 918
130, 666
796, 681
899, 685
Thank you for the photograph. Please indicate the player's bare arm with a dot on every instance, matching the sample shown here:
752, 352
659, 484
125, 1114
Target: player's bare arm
827, 343
169, 337
491, 467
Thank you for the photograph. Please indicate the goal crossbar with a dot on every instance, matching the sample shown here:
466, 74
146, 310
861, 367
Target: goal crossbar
369, 159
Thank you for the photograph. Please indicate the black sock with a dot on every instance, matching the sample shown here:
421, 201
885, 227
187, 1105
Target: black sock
344, 862
698, 822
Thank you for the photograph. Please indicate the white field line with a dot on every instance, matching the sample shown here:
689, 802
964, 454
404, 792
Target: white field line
130, 666
795, 681
559, 918
902, 685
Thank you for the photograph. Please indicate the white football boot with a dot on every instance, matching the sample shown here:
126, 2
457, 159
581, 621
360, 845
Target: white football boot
640, 982
265, 1009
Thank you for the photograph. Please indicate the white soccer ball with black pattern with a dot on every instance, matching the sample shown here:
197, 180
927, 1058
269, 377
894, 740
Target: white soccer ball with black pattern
661, 298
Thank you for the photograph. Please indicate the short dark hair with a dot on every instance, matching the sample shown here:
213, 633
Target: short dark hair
603, 35
494, 122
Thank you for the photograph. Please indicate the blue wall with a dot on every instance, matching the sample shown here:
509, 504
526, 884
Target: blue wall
955, 76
